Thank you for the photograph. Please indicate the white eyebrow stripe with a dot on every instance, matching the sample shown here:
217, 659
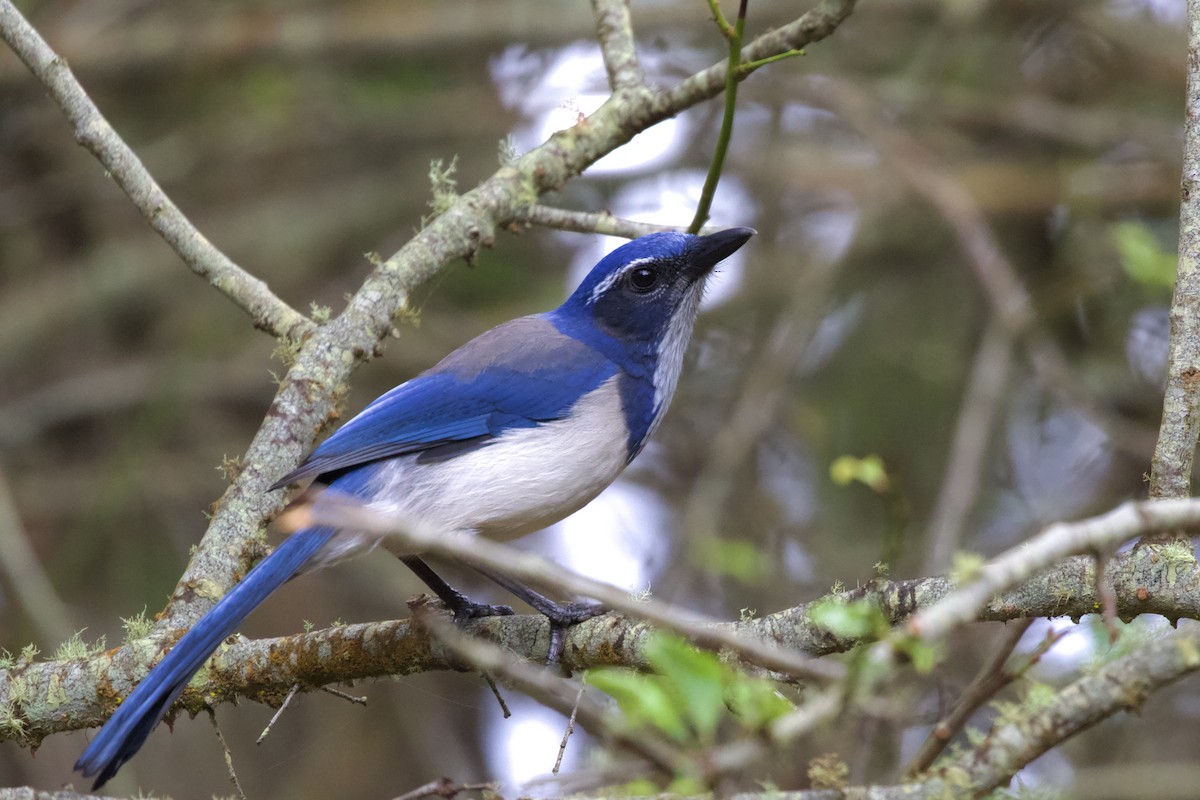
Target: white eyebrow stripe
606, 284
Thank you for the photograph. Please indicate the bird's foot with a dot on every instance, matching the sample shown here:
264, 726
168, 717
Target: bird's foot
465, 609
562, 616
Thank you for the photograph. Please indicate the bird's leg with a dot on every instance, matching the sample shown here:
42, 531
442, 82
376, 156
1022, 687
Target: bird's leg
560, 615
456, 601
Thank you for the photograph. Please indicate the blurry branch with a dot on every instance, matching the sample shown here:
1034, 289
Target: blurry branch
763, 391
969, 448
1171, 469
997, 275
586, 222
93, 132
993, 676
614, 30
1097, 128
112, 389
24, 575
1053, 544
1122, 685
1146, 580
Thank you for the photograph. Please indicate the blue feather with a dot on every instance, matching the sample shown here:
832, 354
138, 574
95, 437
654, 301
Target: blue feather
127, 729
516, 375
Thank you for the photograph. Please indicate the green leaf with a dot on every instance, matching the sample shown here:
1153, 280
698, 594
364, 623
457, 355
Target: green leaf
868, 470
1141, 257
696, 678
923, 655
854, 620
643, 699
756, 702
736, 558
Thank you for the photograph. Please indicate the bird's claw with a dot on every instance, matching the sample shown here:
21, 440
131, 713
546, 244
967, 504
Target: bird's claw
562, 616
468, 610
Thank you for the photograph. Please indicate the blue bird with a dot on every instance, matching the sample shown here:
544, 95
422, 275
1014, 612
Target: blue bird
515, 430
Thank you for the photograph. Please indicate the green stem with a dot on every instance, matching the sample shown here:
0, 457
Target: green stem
726, 29
731, 86
749, 66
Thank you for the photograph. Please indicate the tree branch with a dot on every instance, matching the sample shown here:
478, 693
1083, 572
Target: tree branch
586, 222
614, 31
1174, 454
1122, 685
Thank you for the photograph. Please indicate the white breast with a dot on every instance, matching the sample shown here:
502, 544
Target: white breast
526, 479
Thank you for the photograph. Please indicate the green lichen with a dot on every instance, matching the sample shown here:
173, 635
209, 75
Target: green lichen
319, 313
137, 626
444, 187
966, 567
72, 648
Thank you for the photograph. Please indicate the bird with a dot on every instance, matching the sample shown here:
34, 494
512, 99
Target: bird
512, 432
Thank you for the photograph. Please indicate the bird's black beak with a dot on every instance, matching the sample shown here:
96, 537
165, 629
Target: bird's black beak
708, 251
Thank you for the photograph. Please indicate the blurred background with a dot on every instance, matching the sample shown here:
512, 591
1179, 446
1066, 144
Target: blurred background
849, 401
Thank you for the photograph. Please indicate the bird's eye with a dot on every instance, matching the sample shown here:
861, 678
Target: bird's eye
643, 280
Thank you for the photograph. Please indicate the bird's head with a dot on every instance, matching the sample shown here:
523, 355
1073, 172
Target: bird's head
641, 290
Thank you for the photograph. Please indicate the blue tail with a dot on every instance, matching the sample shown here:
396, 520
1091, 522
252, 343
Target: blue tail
127, 729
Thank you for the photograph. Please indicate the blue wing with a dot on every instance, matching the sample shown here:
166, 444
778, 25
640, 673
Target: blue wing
519, 374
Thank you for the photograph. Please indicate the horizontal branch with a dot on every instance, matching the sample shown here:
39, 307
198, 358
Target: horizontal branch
602, 222
1145, 581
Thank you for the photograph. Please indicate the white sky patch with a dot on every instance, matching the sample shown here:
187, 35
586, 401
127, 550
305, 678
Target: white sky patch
619, 538
554, 89
1068, 654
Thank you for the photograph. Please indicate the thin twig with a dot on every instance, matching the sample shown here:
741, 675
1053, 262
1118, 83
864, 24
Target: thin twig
94, 132
562, 747
976, 416
491, 682
1120, 685
278, 712
26, 577
586, 222
719, 17
446, 788
1106, 594
228, 755
358, 700
991, 678
556, 692
1054, 543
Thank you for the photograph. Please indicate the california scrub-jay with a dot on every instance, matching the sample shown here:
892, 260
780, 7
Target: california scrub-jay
513, 431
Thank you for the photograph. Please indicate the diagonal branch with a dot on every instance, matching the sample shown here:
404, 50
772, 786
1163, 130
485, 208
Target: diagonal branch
614, 30
93, 131
1122, 685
